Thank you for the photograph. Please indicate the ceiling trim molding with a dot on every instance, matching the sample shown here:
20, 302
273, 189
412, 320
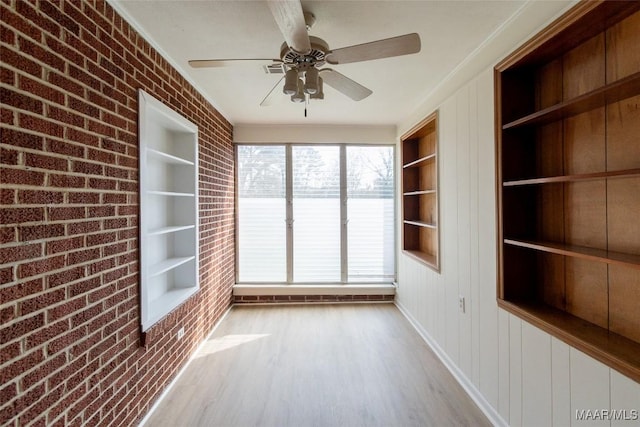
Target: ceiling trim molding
136, 26
530, 18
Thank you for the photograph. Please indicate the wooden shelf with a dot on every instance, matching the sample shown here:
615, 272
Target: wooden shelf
608, 94
581, 78
170, 300
419, 193
610, 348
629, 173
592, 254
421, 161
421, 224
424, 257
420, 233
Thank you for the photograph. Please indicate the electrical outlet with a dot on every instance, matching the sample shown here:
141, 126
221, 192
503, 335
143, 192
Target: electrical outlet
461, 304
180, 332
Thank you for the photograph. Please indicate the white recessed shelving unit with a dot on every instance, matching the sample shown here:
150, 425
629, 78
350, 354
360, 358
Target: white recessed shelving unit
168, 209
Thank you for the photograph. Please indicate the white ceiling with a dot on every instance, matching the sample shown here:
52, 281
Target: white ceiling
450, 31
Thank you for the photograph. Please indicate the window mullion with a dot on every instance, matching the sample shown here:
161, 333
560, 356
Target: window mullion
344, 220
289, 208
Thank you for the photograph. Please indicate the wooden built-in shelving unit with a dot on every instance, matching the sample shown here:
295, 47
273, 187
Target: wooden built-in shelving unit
568, 150
420, 192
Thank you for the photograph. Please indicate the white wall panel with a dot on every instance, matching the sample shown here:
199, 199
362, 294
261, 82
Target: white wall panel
448, 183
463, 225
536, 377
503, 365
486, 230
625, 397
589, 388
515, 371
560, 383
473, 304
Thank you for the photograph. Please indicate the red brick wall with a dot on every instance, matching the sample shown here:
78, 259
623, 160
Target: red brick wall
70, 341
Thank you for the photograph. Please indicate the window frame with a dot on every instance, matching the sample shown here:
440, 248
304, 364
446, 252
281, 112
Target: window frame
344, 269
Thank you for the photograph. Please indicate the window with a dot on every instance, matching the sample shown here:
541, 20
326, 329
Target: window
315, 214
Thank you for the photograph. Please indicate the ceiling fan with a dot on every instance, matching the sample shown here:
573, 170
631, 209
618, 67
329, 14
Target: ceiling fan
302, 56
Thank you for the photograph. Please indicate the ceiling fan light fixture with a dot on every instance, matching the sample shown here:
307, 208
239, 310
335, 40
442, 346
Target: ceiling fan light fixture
320, 92
298, 97
290, 82
311, 81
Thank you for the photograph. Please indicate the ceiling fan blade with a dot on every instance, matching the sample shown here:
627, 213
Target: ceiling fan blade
217, 63
395, 46
344, 84
272, 95
290, 19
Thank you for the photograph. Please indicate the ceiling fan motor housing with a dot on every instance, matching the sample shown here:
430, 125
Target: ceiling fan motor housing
314, 58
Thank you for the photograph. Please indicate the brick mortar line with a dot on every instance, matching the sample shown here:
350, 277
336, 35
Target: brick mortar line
66, 140
68, 95
62, 269
65, 126
42, 347
66, 62
68, 173
16, 243
70, 358
19, 243
47, 221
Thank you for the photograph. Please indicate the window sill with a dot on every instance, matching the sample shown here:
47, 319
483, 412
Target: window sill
364, 289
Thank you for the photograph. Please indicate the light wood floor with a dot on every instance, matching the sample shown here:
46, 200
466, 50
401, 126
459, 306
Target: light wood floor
316, 365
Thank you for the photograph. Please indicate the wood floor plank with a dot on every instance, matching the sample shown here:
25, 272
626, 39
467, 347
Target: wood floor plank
316, 365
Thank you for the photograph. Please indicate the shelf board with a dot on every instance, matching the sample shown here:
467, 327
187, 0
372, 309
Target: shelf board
169, 158
165, 230
168, 264
628, 173
420, 224
420, 162
613, 92
424, 257
600, 255
166, 302
610, 348
169, 193
419, 193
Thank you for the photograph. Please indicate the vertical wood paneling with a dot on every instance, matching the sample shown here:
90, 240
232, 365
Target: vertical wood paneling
515, 371
536, 377
449, 208
560, 383
503, 365
527, 376
589, 388
463, 120
625, 397
488, 316
474, 283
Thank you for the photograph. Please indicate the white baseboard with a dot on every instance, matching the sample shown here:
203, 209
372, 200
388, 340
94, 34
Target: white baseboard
488, 410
